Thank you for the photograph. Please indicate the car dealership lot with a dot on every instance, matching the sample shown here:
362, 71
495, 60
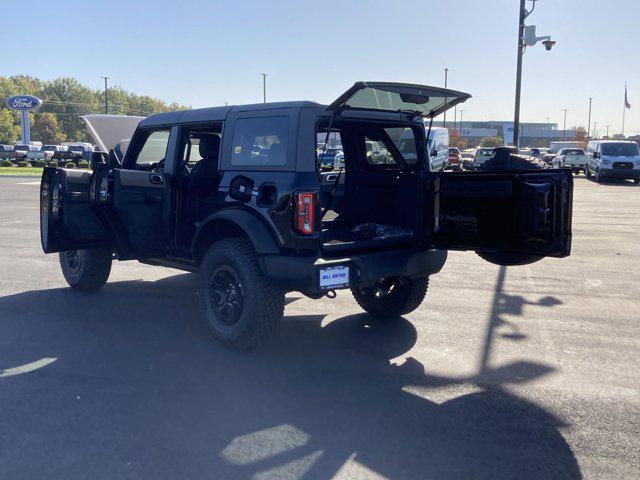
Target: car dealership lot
528, 372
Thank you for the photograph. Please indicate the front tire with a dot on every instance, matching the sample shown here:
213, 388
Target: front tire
86, 270
392, 298
242, 307
636, 180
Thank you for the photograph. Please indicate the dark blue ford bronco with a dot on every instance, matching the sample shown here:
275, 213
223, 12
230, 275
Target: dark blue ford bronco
236, 194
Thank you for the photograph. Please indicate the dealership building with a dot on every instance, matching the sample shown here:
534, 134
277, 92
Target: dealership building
531, 134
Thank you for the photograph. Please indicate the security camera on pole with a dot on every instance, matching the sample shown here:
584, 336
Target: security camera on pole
24, 104
526, 38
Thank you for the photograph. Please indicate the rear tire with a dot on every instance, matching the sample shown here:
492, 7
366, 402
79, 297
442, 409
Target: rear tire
86, 270
396, 298
241, 306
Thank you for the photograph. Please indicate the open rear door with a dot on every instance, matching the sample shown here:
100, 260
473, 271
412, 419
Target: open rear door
526, 212
422, 100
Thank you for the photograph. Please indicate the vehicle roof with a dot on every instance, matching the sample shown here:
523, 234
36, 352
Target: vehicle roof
611, 141
216, 114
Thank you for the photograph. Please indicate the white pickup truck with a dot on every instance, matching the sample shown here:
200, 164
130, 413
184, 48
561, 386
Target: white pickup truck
573, 158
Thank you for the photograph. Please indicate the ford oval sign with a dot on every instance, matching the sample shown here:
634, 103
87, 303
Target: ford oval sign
23, 102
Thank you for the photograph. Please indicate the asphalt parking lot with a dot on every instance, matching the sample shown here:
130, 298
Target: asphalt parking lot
519, 372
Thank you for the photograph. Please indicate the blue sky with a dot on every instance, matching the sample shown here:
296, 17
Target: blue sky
205, 53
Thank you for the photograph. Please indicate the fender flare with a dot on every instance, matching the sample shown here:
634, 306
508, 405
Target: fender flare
262, 239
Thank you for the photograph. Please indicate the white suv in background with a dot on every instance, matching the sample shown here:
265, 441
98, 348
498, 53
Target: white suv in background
613, 159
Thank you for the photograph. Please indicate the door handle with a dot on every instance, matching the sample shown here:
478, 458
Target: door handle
156, 179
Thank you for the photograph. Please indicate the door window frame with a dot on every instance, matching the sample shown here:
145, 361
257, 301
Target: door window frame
140, 138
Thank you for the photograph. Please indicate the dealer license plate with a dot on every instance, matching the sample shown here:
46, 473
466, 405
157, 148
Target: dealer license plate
333, 277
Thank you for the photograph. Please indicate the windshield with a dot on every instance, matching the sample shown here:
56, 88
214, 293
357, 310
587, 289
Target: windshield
620, 149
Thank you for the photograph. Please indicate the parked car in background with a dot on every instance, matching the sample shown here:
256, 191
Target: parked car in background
525, 151
81, 151
438, 148
6, 151
613, 159
538, 152
482, 155
548, 157
466, 157
327, 157
455, 161
573, 158
555, 147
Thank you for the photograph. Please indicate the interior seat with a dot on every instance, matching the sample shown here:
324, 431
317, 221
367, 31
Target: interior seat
204, 175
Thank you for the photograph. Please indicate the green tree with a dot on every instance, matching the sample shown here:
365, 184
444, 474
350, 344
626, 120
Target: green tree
491, 142
46, 128
9, 131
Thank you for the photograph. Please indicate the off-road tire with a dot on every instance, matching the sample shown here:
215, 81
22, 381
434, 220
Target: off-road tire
587, 173
636, 181
86, 270
406, 296
262, 304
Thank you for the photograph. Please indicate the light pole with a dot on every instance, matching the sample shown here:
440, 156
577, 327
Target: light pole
607, 131
446, 75
526, 38
589, 121
106, 96
595, 132
455, 117
460, 129
564, 125
264, 87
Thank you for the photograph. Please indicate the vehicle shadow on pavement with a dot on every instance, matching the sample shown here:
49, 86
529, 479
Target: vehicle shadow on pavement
139, 390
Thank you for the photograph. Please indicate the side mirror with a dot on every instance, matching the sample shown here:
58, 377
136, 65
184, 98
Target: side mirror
434, 153
596, 155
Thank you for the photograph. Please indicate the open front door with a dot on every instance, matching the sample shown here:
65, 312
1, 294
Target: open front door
527, 212
66, 221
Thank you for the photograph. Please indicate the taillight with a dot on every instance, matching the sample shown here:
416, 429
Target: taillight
304, 212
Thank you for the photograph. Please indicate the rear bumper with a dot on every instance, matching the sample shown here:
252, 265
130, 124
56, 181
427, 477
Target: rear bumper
302, 273
620, 173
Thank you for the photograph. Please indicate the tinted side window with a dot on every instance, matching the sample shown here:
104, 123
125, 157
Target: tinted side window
260, 141
153, 150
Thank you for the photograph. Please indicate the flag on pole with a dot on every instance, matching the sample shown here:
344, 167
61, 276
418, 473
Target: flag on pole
626, 100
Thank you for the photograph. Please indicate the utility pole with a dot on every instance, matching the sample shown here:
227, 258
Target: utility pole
446, 75
595, 132
516, 115
455, 117
106, 96
589, 121
264, 87
564, 125
607, 131
460, 130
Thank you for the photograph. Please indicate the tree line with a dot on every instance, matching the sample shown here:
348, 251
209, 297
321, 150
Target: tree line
64, 100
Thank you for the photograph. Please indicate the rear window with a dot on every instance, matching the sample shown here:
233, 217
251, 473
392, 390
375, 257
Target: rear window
620, 149
483, 151
260, 141
573, 151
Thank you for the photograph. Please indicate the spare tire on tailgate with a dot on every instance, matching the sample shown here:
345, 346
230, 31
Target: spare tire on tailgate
507, 159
